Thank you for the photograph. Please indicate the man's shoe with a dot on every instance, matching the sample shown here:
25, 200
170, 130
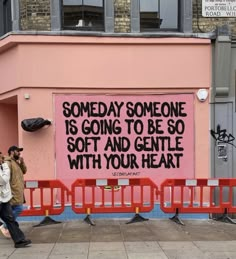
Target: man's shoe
23, 243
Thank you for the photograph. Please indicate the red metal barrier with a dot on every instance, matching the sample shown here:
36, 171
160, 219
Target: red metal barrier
45, 197
113, 196
197, 196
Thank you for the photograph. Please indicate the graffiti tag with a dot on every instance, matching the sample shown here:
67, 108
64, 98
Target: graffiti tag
221, 135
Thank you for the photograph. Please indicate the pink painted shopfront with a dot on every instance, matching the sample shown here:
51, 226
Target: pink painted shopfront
107, 136
120, 107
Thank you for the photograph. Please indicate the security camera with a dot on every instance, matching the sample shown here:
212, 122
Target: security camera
202, 95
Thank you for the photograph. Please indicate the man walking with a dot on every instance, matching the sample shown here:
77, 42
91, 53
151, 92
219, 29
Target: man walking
17, 170
5, 208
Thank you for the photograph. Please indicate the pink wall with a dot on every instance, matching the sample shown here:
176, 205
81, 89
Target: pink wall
124, 136
52, 61
9, 69
9, 126
101, 66
47, 65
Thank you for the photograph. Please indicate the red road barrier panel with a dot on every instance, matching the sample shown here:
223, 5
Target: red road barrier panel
113, 196
46, 197
198, 196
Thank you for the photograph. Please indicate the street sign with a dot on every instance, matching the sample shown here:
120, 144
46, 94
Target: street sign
219, 8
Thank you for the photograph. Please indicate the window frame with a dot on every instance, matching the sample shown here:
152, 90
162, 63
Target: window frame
14, 19
184, 17
84, 20
57, 10
5, 18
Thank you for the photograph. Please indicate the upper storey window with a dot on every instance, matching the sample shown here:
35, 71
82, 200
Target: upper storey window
159, 15
5, 17
84, 15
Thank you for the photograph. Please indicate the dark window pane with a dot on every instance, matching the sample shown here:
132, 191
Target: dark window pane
158, 14
149, 15
83, 15
169, 14
7, 16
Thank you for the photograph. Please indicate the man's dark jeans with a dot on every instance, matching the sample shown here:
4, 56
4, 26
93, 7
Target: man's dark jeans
7, 216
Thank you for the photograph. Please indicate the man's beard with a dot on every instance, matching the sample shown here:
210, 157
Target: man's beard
16, 157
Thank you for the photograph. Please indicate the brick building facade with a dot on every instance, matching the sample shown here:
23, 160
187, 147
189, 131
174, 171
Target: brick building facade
122, 16
59, 54
36, 16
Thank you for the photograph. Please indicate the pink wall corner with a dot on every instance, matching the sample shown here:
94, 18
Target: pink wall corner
9, 70
39, 145
9, 127
202, 138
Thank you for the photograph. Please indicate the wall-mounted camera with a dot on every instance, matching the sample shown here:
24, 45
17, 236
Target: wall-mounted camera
202, 95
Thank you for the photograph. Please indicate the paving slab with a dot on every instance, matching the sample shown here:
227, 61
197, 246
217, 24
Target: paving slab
107, 246
148, 255
107, 254
181, 249
6, 249
29, 255
216, 246
106, 233
36, 249
70, 249
137, 232
220, 255
45, 235
78, 256
142, 247
74, 235
171, 254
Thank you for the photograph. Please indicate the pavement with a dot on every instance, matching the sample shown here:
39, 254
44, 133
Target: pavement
114, 239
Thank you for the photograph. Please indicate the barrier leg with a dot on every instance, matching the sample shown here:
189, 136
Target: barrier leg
47, 221
225, 218
137, 217
176, 218
88, 219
